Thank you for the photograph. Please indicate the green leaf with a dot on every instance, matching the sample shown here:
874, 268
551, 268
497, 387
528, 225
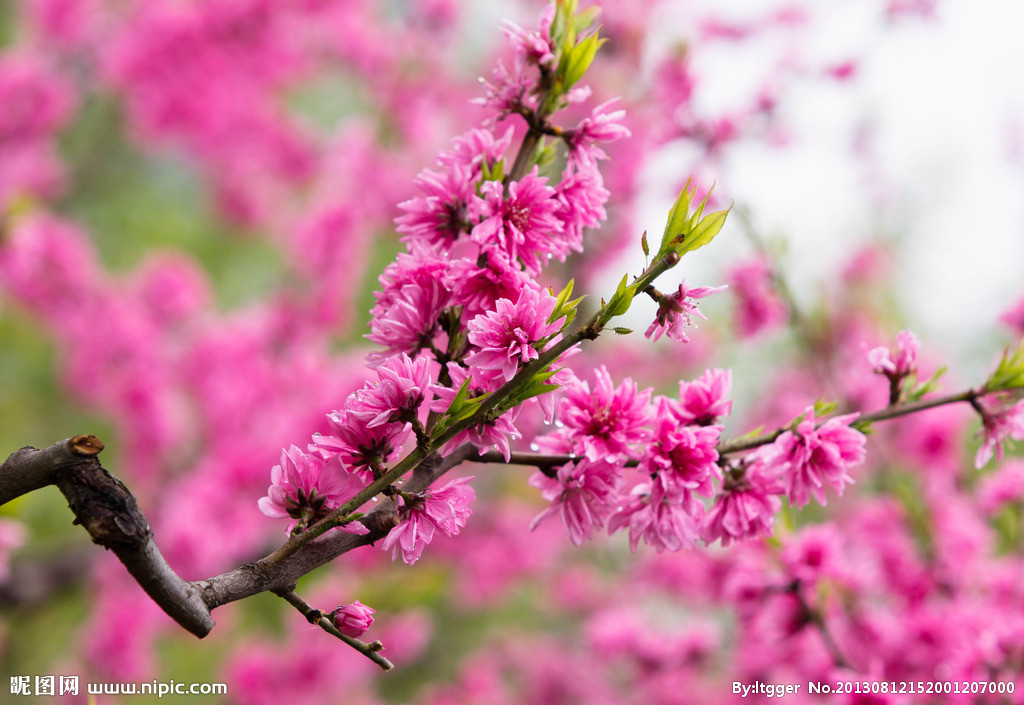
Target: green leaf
560, 300
824, 408
930, 385
577, 60
564, 308
644, 245
677, 215
622, 298
704, 232
1010, 372
564, 10
619, 330
865, 426
686, 231
585, 18
495, 172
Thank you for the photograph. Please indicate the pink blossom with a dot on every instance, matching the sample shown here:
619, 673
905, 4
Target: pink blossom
446, 509
664, 514
582, 493
704, 400
747, 504
684, 456
306, 488
171, 288
898, 362
439, 216
479, 287
675, 312
510, 89
474, 148
600, 126
758, 305
523, 224
361, 448
812, 457
605, 421
505, 338
36, 101
533, 46
352, 620
582, 196
998, 425
403, 386
414, 291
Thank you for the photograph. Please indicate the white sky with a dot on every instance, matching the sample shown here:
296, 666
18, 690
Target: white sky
945, 101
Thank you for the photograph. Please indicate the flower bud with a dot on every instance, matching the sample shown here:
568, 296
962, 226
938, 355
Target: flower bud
353, 620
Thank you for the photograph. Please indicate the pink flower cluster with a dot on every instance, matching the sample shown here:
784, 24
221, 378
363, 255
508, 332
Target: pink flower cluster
611, 427
673, 445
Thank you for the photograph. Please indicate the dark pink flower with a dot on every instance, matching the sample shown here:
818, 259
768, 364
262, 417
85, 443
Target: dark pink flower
600, 126
812, 553
353, 620
662, 513
305, 487
998, 425
605, 421
582, 196
582, 493
747, 505
361, 448
414, 291
675, 312
523, 224
36, 100
898, 362
476, 147
533, 46
704, 400
1002, 487
684, 456
441, 215
813, 457
445, 509
403, 385
505, 338
478, 287
510, 89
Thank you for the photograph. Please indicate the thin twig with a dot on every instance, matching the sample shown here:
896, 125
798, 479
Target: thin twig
815, 618
316, 617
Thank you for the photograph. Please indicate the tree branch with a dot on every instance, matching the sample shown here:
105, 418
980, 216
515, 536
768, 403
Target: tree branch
261, 576
108, 511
